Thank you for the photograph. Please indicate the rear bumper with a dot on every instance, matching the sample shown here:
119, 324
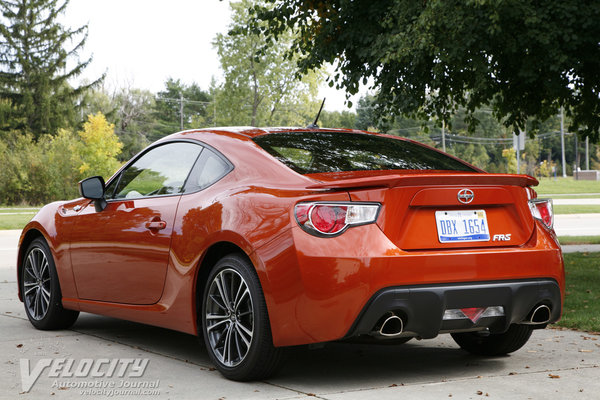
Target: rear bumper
317, 288
422, 307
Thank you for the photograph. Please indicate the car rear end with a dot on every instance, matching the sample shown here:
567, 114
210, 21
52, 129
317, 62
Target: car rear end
399, 240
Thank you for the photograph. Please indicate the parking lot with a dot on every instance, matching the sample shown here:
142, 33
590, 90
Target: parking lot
554, 364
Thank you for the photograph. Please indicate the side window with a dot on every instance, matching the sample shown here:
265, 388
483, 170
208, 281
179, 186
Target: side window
209, 168
162, 170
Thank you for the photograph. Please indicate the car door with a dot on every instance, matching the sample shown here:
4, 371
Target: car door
121, 254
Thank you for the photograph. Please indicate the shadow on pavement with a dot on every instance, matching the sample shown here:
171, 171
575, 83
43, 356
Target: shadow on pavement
353, 365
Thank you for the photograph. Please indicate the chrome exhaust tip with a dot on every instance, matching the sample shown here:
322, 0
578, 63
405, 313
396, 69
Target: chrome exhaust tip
540, 315
391, 326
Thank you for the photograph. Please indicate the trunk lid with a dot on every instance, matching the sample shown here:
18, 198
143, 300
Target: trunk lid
410, 202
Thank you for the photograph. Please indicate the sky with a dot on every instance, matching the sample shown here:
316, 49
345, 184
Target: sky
140, 43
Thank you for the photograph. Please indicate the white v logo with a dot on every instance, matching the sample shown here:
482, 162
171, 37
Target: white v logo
27, 378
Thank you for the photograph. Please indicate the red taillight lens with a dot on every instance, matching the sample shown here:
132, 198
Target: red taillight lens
542, 210
328, 219
333, 218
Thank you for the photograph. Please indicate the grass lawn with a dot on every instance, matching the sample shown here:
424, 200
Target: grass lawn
579, 239
576, 208
566, 186
16, 217
15, 221
582, 304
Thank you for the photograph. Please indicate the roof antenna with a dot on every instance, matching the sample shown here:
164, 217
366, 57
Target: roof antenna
314, 124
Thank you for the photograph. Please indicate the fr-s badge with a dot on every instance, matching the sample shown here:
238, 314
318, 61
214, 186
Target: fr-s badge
501, 237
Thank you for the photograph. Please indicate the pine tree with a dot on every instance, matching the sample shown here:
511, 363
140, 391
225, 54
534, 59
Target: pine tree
36, 58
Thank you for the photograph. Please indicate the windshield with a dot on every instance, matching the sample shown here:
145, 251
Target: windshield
315, 152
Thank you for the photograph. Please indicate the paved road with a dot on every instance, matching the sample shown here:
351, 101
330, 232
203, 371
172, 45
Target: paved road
582, 202
577, 224
555, 364
9, 240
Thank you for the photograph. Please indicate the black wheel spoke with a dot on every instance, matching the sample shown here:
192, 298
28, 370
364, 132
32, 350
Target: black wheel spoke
219, 303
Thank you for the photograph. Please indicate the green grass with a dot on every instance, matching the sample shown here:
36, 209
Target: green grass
566, 186
576, 209
579, 239
582, 303
15, 221
10, 220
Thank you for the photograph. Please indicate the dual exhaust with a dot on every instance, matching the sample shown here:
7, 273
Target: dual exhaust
391, 325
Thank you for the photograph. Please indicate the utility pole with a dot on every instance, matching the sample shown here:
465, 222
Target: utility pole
180, 111
444, 136
518, 145
562, 141
587, 152
576, 172
519, 154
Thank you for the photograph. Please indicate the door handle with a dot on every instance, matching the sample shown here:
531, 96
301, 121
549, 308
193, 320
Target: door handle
158, 225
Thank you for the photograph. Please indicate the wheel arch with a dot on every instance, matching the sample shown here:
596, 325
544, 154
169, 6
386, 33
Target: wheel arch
212, 255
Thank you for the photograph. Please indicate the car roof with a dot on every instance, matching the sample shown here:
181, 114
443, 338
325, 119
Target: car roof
247, 133
252, 132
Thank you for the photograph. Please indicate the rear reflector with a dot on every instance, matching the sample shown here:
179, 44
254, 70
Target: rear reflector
542, 209
474, 313
327, 219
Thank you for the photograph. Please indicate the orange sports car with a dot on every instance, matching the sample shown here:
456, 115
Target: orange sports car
258, 239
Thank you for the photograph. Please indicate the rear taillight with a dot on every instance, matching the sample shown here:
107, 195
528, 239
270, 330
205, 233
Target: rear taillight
333, 218
542, 209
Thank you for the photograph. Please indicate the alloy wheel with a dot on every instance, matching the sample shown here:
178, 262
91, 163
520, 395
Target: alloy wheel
229, 317
36, 284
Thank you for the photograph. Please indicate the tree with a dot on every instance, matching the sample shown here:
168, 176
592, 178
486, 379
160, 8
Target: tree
365, 114
62, 160
261, 85
178, 97
97, 100
337, 119
135, 120
39, 171
9, 117
36, 65
100, 147
523, 58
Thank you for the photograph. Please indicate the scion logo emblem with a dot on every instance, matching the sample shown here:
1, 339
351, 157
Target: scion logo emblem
465, 196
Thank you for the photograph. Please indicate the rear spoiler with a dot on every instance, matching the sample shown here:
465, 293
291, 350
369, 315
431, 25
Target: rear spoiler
427, 179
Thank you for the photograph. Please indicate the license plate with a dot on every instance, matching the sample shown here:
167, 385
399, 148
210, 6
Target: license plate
462, 226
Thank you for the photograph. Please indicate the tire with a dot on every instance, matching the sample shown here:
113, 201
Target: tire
236, 329
494, 344
40, 289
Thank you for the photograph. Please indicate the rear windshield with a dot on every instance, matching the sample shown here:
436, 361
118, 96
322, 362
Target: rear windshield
315, 152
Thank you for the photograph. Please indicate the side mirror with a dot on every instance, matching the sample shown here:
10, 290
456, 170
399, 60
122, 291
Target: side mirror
93, 189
